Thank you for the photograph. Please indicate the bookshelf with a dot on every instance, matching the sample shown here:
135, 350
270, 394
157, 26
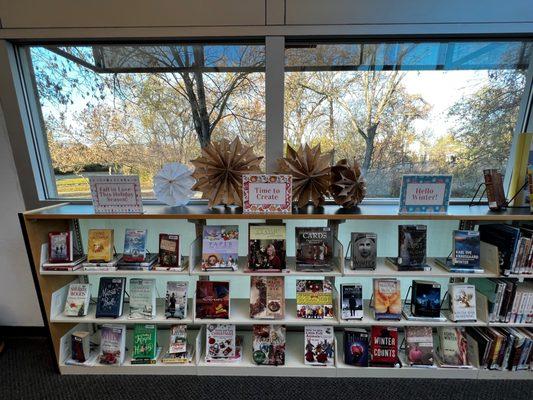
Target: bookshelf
51, 287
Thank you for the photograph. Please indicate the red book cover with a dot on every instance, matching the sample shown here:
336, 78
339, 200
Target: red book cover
384, 346
169, 250
59, 247
212, 300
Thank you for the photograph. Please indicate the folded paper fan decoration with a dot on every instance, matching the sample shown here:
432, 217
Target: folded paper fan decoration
310, 170
348, 186
172, 184
219, 170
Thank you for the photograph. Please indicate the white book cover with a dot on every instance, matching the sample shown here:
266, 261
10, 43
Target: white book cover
319, 346
112, 345
220, 342
142, 298
462, 302
78, 299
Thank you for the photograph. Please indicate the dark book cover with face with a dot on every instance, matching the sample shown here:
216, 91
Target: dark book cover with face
356, 347
412, 245
364, 250
425, 300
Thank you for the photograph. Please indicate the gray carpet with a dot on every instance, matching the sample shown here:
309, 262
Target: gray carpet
26, 372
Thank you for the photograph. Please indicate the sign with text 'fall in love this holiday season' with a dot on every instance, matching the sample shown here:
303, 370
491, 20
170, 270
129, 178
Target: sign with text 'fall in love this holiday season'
116, 194
263, 193
425, 194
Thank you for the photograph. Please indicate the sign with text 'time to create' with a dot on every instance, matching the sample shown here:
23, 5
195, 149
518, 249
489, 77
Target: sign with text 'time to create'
264, 193
116, 194
425, 194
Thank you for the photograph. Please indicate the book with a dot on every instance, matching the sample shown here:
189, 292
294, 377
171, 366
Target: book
135, 245
142, 298
356, 347
419, 345
319, 346
179, 358
411, 247
314, 299
80, 346
462, 302
220, 342
266, 247
314, 249
112, 345
176, 299
465, 250
364, 250
268, 344
100, 245
169, 251
144, 341
78, 299
505, 238
108, 266
267, 298
220, 247
495, 192
110, 301
212, 300
178, 339
387, 299
351, 301
146, 265
147, 361
452, 348
425, 299
448, 265
384, 347
60, 247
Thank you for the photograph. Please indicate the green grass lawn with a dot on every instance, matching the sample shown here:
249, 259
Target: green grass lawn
78, 186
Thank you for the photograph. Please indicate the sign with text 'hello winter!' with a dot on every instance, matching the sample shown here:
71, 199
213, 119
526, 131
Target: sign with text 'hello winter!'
116, 194
425, 194
264, 193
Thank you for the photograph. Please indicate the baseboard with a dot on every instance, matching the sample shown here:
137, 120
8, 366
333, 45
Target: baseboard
23, 331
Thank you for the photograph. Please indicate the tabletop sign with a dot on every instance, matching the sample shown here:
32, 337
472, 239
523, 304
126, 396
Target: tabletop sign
116, 194
425, 194
263, 193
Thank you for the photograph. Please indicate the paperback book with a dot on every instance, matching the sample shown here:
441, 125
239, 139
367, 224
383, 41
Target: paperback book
169, 252
356, 347
319, 348
220, 247
112, 344
462, 297
364, 250
178, 339
314, 249
419, 345
110, 301
176, 299
266, 247
144, 341
78, 299
60, 248
100, 245
142, 298
220, 342
135, 245
384, 347
452, 349
212, 300
269, 344
314, 299
80, 343
425, 299
465, 250
352, 301
267, 298
412, 248
387, 299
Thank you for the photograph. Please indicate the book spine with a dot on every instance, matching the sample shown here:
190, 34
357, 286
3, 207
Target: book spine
497, 303
489, 185
516, 303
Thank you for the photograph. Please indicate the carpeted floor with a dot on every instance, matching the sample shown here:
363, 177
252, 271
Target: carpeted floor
26, 372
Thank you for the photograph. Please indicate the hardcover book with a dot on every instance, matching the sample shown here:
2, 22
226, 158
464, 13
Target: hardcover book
212, 300
60, 247
411, 247
78, 299
220, 247
425, 299
178, 339
319, 347
267, 298
142, 298
176, 299
384, 347
266, 247
269, 344
387, 299
352, 301
314, 249
505, 238
462, 302
169, 251
112, 344
465, 251
314, 299
452, 346
364, 250
220, 342
495, 191
356, 347
135, 245
419, 345
110, 297
80, 346
144, 341
100, 245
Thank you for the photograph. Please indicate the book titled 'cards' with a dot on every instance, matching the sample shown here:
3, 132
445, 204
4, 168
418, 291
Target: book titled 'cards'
110, 301
212, 300
314, 249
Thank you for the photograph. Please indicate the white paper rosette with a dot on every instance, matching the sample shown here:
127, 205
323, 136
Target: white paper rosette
172, 185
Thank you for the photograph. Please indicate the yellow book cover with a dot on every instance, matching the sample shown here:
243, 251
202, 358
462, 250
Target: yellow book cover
100, 248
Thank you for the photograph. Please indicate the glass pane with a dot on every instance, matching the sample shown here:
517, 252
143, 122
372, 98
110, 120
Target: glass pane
434, 107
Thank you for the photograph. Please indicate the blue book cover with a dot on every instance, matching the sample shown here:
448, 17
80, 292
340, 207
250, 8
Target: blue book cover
425, 299
110, 297
465, 251
135, 245
356, 347
425, 194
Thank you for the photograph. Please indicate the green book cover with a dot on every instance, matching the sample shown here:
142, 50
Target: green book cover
144, 341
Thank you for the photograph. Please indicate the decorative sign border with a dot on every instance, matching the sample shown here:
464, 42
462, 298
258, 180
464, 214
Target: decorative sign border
128, 183
266, 179
420, 207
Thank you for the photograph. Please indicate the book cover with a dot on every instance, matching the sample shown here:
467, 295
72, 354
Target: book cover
494, 186
212, 299
412, 245
110, 297
267, 298
267, 193
176, 299
100, 245
269, 344
78, 299
177, 339
266, 247
142, 298
112, 344
425, 299
364, 250
220, 342
135, 245
452, 346
60, 247
387, 299
465, 251
356, 347
505, 238
352, 301
319, 347
314, 299
220, 247
314, 249
384, 346
144, 341
80, 346
419, 345
169, 251
462, 302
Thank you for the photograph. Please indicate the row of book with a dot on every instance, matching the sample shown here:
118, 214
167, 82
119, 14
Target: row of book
451, 347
